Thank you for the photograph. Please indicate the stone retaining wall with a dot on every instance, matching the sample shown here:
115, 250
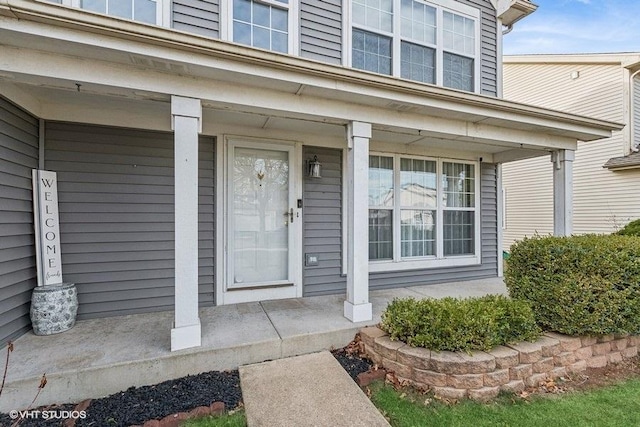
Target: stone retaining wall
481, 375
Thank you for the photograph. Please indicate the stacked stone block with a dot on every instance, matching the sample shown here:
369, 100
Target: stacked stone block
481, 375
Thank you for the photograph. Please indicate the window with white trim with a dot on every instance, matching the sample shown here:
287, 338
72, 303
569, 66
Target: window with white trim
417, 40
147, 11
422, 209
262, 23
138, 10
458, 206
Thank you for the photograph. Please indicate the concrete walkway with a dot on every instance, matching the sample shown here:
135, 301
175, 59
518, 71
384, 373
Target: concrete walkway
103, 356
310, 390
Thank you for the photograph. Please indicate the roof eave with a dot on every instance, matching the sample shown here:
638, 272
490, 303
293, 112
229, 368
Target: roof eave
263, 64
515, 11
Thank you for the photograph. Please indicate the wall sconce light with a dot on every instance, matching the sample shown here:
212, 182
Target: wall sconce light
314, 168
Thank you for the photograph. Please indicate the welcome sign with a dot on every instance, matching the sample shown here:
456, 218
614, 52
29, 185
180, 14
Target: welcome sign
47, 224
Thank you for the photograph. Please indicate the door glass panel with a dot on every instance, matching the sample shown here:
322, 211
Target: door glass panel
261, 228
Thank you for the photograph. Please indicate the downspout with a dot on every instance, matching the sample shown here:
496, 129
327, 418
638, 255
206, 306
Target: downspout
635, 145
508, 30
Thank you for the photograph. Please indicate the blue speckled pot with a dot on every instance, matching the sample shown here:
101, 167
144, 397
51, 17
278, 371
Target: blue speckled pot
53, 308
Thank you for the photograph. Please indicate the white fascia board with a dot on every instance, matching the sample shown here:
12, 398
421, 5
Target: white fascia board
623, 59
221, 57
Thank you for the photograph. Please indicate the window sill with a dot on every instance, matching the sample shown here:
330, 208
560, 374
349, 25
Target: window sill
458, 261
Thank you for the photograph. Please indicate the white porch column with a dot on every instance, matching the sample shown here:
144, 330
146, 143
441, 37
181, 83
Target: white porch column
500, 219
562, 192
357, 307
186, 122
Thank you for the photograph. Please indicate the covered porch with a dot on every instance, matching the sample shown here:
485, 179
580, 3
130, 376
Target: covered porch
144, 126
99, 357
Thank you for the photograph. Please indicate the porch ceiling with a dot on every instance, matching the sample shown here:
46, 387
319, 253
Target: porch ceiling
64, 101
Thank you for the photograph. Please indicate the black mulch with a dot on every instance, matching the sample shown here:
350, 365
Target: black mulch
6, 421
353, 363
139, 404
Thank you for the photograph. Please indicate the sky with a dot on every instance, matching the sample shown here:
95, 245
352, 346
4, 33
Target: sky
577, 26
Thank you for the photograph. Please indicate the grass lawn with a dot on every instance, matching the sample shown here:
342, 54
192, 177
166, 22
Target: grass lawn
616, 405
236, 419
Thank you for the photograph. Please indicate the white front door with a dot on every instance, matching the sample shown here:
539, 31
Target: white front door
263, 222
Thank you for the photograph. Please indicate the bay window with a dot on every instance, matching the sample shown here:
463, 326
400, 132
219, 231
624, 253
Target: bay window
422, 212
417, 40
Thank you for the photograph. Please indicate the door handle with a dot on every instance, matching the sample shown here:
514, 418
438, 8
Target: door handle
289, 214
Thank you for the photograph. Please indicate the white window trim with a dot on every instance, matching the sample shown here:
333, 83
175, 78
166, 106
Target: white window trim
163, 12
439, 260
226, 22
441, 5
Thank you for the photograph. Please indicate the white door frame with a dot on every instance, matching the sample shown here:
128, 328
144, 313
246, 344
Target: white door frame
238, 295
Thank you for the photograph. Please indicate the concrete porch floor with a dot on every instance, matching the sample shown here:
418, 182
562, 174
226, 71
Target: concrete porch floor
99, 357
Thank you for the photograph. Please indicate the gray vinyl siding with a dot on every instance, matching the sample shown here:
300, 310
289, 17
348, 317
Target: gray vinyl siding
321, 30
636, 111
488, 46
18, 156
322, 226
196, 16
489, 247
116, 201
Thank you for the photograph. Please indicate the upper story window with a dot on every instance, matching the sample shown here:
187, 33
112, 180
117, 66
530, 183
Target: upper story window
262, 23
417, 40
147, 11
138, 10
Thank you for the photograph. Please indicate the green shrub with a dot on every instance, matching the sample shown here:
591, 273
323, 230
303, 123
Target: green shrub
459, 324
631, 229
579, 285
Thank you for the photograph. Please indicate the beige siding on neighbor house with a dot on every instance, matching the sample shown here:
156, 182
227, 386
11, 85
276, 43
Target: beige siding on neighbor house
603, 200
598, 92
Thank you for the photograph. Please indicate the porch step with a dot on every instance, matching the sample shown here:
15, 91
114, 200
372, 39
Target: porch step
309, 390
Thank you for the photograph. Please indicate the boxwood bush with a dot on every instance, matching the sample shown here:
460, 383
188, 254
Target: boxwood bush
579, 285
459, 324
631, 229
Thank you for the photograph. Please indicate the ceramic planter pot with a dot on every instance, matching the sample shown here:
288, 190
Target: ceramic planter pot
53, 308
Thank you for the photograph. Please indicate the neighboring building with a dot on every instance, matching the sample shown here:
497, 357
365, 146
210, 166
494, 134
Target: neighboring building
181, 132
606, 172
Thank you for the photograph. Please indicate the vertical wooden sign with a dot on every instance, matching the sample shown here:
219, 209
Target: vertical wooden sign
47, 224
